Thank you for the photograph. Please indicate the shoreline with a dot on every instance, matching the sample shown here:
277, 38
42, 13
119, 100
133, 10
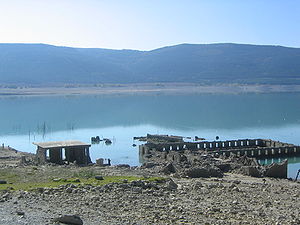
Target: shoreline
170, 88
154, 193
142, 196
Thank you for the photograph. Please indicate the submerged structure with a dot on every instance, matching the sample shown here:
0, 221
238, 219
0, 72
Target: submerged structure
60, 152
248, 147
213, 158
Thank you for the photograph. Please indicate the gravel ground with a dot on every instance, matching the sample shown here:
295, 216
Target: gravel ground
233, 199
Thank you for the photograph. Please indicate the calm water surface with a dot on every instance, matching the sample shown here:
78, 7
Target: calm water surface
33, 119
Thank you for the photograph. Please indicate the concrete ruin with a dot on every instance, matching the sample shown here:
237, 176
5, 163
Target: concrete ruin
59, 152
159, 138
249, 147
211, 158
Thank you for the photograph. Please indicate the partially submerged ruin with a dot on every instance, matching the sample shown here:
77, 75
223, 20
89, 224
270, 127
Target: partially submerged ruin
248, 147
212, 158
60, 152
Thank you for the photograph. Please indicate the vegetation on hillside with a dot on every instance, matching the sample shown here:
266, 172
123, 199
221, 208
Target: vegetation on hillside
39, 64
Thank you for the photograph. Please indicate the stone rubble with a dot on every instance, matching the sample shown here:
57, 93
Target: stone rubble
231, 199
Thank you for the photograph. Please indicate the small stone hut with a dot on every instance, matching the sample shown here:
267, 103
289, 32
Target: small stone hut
60, 151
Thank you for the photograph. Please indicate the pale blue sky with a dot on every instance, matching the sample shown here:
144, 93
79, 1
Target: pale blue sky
149, 24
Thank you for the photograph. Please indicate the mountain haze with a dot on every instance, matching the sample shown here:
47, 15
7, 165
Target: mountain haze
40, 64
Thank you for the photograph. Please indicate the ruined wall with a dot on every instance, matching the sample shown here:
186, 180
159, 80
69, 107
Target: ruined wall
261, 152
248, 147
41, 155
206, 145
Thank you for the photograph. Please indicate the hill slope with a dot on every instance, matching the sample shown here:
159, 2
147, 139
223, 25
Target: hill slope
213, 63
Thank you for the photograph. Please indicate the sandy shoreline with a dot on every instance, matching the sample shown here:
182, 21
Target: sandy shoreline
149, 89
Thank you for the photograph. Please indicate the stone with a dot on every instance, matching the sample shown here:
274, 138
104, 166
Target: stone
6, 196
197, 185
69, 219
252, 171
69, 190
99, 178
277, 170
225, 167
236, 182
247, 161
235, 189
123, 166
149, 165
171, 185
40, 190
168, 169
100, 162
20, 213
211, 186
197, 172
215, 172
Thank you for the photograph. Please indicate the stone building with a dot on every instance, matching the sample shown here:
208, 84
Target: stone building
63, 151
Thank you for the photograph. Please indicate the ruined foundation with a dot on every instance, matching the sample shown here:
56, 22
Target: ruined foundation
249, 147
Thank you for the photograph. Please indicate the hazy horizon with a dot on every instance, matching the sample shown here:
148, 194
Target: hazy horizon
217, 43
147, 25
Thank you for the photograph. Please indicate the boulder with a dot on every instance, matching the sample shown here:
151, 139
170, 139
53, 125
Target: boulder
69, 219
168, 169
99, 178
252, 171
197, 172
225, 167
123, 166
149, 165
215, 172
277, 170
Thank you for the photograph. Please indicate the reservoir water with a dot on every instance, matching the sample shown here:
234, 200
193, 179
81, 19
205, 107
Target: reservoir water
24, 120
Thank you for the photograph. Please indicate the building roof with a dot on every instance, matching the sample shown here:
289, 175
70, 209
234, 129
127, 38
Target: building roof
61, 144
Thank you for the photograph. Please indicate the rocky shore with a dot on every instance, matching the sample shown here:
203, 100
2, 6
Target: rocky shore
232, 199
168, 198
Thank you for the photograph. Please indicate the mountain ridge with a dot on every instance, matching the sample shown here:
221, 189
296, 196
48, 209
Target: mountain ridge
37, 64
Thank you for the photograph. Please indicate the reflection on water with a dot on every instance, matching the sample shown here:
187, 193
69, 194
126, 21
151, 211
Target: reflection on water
119, 118
183, 112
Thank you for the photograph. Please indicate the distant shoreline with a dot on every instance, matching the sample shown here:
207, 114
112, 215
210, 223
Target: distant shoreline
168, 88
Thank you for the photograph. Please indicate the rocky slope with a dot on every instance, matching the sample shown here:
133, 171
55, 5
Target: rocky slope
233, 199
228, 199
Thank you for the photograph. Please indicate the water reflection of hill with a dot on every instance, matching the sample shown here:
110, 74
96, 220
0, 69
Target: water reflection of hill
42, 114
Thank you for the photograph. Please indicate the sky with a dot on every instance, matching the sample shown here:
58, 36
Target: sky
149, 24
